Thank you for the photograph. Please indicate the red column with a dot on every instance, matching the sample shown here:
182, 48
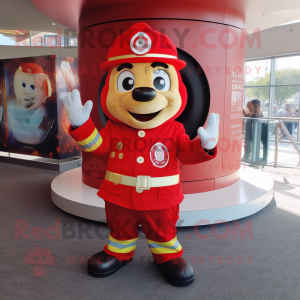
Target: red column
210, 32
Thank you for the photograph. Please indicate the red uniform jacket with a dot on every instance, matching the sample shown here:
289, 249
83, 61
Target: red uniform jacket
132, 152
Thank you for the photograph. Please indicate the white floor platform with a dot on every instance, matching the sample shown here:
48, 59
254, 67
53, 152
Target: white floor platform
251, 193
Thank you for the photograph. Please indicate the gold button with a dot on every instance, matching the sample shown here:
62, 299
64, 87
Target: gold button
140, 159
120, 155
119, 146
112, 155
141, 133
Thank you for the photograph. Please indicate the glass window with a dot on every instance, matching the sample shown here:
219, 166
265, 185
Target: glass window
38, 39
72, 42
51, 40
286, 95
286, 99
6, 41
13, 39
260, 93
48, 39
258, 72
287, 70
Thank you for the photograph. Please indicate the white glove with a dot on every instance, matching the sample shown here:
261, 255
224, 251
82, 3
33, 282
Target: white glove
1, 113
77, 113
209, 136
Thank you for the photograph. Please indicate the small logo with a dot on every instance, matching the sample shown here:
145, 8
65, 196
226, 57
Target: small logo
140, 43
94, 166
29, 70
39, 258
159, 155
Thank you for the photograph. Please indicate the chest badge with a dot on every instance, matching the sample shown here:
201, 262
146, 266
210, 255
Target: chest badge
159, 155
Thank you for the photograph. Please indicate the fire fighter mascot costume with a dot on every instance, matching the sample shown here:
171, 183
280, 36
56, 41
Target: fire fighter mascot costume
142, 96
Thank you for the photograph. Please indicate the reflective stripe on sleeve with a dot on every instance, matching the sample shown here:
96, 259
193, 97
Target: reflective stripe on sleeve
92, 142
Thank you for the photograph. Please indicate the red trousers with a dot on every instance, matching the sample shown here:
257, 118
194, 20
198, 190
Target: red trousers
159, 227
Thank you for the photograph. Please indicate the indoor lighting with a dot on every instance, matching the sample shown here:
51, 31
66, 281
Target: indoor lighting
291, 22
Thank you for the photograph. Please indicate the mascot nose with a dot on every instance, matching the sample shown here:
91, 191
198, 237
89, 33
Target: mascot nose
143, 94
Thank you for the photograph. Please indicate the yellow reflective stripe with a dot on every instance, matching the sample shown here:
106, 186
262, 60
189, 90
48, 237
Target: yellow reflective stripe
126, 242
89, 139
99, 142
118, 246
166, 244
117, 250
164, 248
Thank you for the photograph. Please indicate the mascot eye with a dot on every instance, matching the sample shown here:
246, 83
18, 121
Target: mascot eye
32, 87
125, 82
24, 85
161, 80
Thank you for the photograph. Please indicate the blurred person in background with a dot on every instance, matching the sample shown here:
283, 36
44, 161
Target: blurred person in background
288, 114
296, 112
256, 112
256, 109
275, 111
280, 111
247, 111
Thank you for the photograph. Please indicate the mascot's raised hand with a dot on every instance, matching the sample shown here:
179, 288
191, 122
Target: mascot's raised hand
209, 135
78, 114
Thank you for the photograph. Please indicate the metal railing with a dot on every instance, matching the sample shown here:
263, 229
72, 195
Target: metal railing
280, 126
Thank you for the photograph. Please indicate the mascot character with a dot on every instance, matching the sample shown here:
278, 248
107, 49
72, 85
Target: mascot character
30, 123
142, 97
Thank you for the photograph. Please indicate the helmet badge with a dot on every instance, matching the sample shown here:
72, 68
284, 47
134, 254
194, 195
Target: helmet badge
140, 43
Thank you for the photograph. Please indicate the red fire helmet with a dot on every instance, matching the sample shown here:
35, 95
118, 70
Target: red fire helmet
140, 44
31, 68
34, 69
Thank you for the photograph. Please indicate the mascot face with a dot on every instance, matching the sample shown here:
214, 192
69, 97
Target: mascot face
143, 87
31, 90
143, 95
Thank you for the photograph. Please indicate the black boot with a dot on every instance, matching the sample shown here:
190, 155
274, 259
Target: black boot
177, 272
102, 264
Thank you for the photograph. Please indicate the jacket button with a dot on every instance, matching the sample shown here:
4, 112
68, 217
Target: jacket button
140, 159
119, 146
141, 133
139, 191
112, 155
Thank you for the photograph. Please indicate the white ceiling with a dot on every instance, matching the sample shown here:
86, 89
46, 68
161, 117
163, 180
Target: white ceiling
22, 14
261, 14
264, 14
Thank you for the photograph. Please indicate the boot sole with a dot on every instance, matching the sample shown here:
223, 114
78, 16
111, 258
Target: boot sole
174, 282
180, 283
101, 275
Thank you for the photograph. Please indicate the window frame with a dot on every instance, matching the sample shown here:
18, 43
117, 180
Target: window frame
272, 84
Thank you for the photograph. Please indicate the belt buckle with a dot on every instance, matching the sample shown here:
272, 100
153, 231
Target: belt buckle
142, 183
117, 178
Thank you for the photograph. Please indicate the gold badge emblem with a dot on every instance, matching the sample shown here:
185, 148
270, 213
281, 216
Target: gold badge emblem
119, 146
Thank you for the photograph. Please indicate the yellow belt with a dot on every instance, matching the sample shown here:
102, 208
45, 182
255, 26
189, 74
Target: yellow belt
141, 182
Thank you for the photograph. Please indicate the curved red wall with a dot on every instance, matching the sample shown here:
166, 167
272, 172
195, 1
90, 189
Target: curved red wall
218, 53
